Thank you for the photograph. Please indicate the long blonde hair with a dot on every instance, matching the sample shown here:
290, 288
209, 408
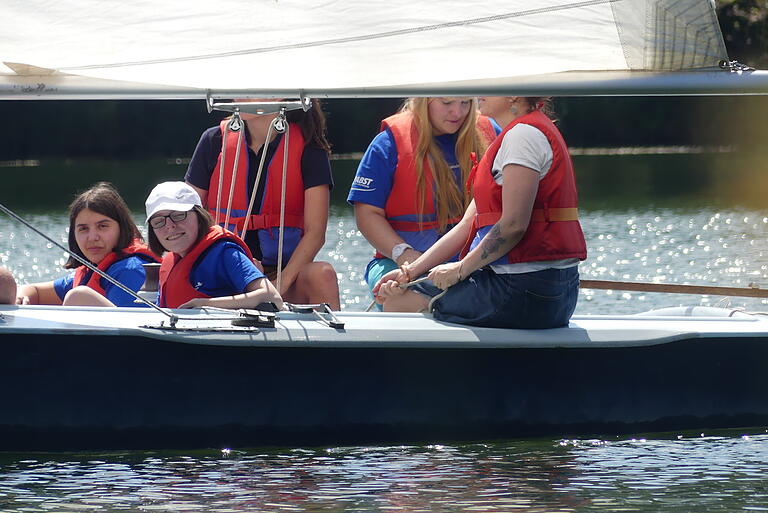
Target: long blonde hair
450, 199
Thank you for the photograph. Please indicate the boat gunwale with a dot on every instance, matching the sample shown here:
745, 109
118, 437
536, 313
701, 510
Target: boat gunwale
417, 331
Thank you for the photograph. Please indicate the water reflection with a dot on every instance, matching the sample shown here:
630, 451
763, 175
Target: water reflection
705, 473
711, 473
706, 247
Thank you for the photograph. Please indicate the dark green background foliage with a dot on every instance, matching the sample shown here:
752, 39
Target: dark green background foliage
744, 24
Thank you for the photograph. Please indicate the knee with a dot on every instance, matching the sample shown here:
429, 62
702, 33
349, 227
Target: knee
323, 273
7, 287
75, 295
81, 296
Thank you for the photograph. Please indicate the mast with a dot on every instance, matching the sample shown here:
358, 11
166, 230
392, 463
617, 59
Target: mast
577, 83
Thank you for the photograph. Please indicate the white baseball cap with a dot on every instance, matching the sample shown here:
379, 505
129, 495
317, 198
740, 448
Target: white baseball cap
172, 196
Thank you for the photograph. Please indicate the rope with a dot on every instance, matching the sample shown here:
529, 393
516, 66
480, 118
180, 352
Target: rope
221, 174
89, 265
240, 137
281, 230
258, 179
431, 305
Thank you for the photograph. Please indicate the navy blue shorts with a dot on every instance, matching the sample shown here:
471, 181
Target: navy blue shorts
536, 300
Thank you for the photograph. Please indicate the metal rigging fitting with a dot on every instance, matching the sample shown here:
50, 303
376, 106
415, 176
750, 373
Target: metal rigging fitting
280, 122
260, 107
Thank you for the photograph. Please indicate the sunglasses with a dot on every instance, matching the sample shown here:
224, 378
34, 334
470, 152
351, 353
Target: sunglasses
159, 221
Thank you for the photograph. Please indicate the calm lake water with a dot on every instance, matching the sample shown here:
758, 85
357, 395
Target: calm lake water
674, 218
679, 474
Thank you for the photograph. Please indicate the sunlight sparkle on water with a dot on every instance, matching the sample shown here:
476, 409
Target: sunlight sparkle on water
704, 247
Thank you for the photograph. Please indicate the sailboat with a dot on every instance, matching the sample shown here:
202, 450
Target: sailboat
87, 378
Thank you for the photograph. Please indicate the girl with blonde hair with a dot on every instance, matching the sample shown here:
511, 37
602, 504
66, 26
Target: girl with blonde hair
409, 189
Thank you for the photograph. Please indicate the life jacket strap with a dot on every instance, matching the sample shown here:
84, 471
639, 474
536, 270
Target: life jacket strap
266, 221
417, 226
538, 215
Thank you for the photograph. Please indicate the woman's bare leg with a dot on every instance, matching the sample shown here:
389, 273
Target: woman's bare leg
85, 296
407, 302
316, 283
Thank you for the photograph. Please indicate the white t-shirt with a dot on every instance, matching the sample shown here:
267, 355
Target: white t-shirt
527, 146
524, 145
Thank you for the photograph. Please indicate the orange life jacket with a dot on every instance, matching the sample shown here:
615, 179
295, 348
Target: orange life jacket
268, 215
175, 287
84, 276
554, 232
403, 199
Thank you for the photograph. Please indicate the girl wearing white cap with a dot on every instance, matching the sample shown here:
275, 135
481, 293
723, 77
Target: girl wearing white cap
203, 264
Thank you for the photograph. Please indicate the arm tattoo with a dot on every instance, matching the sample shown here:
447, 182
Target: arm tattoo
492, 242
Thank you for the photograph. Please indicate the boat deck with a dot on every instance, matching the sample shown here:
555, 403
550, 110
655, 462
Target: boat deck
379, 329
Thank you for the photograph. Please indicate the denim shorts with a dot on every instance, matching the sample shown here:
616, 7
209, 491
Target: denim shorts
536, 300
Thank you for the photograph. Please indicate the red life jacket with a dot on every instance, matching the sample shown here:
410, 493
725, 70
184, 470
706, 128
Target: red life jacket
402, 199
554, 232
174, 285
268, 215
84, 276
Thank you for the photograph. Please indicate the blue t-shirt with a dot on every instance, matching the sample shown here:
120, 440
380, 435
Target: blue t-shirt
223, 270
127, 271
375, 176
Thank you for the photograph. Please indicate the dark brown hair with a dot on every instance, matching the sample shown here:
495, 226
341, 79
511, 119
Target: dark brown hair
542, 103
312, 125
103, 199
204, 223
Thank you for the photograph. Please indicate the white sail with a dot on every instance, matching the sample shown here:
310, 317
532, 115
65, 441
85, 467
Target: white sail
185, 48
